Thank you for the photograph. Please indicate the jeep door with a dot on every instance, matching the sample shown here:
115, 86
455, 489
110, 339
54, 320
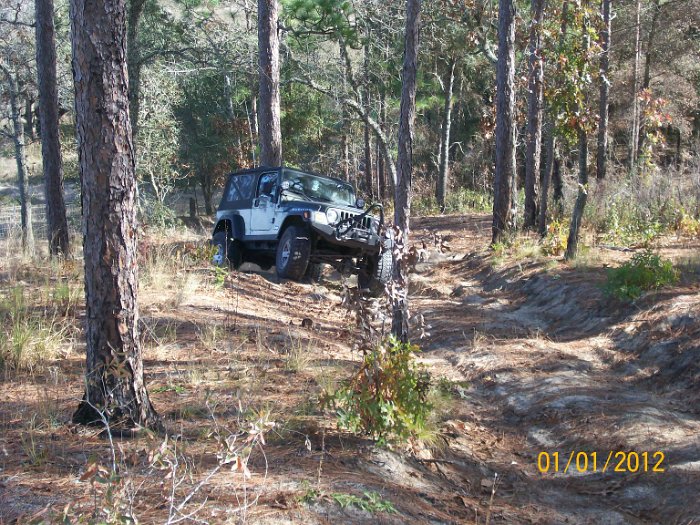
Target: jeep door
263, 216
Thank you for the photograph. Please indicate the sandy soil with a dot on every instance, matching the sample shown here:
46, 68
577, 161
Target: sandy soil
535, 359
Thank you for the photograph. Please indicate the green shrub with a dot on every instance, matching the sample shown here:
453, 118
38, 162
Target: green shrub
461, 200
387, 398
646, 271
555, 240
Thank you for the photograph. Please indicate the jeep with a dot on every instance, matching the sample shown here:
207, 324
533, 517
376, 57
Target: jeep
299, 221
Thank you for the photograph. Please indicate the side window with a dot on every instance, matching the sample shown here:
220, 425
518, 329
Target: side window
267, 185
240, 188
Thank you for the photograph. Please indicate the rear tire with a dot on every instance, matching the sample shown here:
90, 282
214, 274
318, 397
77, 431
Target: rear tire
377, 273
229, 251
293, 253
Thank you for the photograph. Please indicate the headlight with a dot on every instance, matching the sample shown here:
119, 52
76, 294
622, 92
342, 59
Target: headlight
332, 216
374, 226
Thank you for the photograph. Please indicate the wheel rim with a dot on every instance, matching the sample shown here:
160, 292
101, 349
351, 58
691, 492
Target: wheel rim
218, 258
284, 256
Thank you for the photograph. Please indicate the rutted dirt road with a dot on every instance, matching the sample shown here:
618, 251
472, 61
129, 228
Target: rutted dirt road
555, 366
535, 357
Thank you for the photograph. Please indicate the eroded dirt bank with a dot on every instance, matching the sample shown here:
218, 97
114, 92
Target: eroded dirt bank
553, 365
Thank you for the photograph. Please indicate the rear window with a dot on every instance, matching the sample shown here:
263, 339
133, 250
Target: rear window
240, 188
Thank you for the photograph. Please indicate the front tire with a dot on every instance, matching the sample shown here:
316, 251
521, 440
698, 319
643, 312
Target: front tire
377, 273
228, 251
293, 253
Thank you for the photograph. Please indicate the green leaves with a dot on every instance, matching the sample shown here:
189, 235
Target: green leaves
646, 271
387, 398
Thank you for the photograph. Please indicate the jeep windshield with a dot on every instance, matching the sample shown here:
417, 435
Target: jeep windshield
319, 189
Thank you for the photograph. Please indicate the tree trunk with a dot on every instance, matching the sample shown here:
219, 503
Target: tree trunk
369, 176
381, 162
402, 199
534, 114
546, 175
21, 160
634, 133
269, 61
115, 387
582, 196
134, 64
557, 184
504, 179
602, 152
368, 163
50, 138
29, 117
207, 191
551, 171
444, 168
646, 78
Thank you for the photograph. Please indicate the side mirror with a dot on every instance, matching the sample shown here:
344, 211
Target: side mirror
360, 203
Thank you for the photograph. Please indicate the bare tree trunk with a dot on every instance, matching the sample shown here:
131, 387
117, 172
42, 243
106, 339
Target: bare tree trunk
381, 163
551, 171
50, 138
207, 190
29, 117
557, 184
582, 196
115, 387
648, 56
546, 175
444, 168
402, 208
269, 62
634, 134
134, 64
534, 114
21, 160
602, 152
368, 163
504, 179
366, 94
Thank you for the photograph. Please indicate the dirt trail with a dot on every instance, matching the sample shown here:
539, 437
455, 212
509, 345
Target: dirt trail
535, 357
553, 366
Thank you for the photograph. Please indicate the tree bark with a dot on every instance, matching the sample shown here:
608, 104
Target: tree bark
369, 176
381, 162
648, 56
602, 151
269, 62
444, 168
134, 63
29, 117
551, 171
21, 161
504, 178
582, 195
546, 175
402, 199
634, 133
115, 387
534, 114
57, 224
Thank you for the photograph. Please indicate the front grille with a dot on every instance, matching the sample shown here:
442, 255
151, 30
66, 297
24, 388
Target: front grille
364, 224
